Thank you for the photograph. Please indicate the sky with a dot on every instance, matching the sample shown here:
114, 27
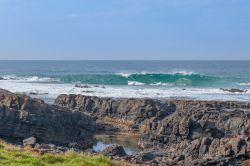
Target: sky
125, 29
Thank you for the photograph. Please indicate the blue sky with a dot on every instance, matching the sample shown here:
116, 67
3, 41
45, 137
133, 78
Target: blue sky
125, 29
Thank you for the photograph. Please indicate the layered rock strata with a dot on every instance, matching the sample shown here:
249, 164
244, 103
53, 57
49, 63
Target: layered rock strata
122, 114
184, 132
22, 117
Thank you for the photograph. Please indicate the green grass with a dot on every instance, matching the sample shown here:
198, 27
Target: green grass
11, 155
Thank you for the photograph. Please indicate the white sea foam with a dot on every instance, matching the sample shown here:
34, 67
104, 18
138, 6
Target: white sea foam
244, 84
162, 84
126, 75
135, 83
29, 78
9, 77
174, 72
182, 72
50, 91
40, 79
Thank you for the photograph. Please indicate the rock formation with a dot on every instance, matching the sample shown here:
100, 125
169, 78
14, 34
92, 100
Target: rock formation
126, 114
184, 132
22, 117
31, 141
172, 132
233, 90
114, 150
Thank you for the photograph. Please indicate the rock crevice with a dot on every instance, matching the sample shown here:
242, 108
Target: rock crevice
175, 132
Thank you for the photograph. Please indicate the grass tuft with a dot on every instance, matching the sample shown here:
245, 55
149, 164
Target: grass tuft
16, 156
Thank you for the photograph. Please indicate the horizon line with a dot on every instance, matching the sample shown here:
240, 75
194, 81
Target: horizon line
124, 59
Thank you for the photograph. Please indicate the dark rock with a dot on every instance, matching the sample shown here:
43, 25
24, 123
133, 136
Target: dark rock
114, 150
35, 93
121, 113
22, 117
182, 132
234, 90
143, 157
1, 78
81, 86
88, 91
29, 141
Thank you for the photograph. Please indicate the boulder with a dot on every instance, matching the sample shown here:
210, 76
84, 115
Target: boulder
35, 93
81, 86
114, 150
31, 141
234, 90
144, 157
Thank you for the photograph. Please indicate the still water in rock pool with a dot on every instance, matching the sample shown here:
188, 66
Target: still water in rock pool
127, 141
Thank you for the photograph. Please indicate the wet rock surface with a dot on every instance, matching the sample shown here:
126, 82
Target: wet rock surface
81, 86
114, 150
234, 90
175, 132
22, 117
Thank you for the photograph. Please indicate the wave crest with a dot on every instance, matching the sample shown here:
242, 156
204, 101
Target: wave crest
151, 79
135, 83
174, 72
29, 78
244, 84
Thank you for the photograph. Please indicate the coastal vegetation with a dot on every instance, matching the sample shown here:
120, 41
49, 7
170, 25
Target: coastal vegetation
15, 155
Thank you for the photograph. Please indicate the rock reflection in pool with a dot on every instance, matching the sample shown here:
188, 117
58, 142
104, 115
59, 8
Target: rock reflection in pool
127, 141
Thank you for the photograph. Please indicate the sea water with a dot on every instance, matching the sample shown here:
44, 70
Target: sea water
200, 80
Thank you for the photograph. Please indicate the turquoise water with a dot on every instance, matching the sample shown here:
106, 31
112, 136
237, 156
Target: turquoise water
199, 79
178, 79
182, 73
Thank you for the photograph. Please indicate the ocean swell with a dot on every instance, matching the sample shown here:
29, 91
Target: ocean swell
173, 79
137, 79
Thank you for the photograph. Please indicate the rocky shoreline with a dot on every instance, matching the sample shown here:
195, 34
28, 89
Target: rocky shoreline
22, 117
172, 132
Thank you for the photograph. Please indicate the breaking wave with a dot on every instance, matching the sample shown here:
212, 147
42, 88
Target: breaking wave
181, 78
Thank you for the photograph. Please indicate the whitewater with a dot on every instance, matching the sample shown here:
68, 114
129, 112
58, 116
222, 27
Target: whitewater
128, 79
49, 88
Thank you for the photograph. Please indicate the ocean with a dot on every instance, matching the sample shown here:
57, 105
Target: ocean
201, 80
